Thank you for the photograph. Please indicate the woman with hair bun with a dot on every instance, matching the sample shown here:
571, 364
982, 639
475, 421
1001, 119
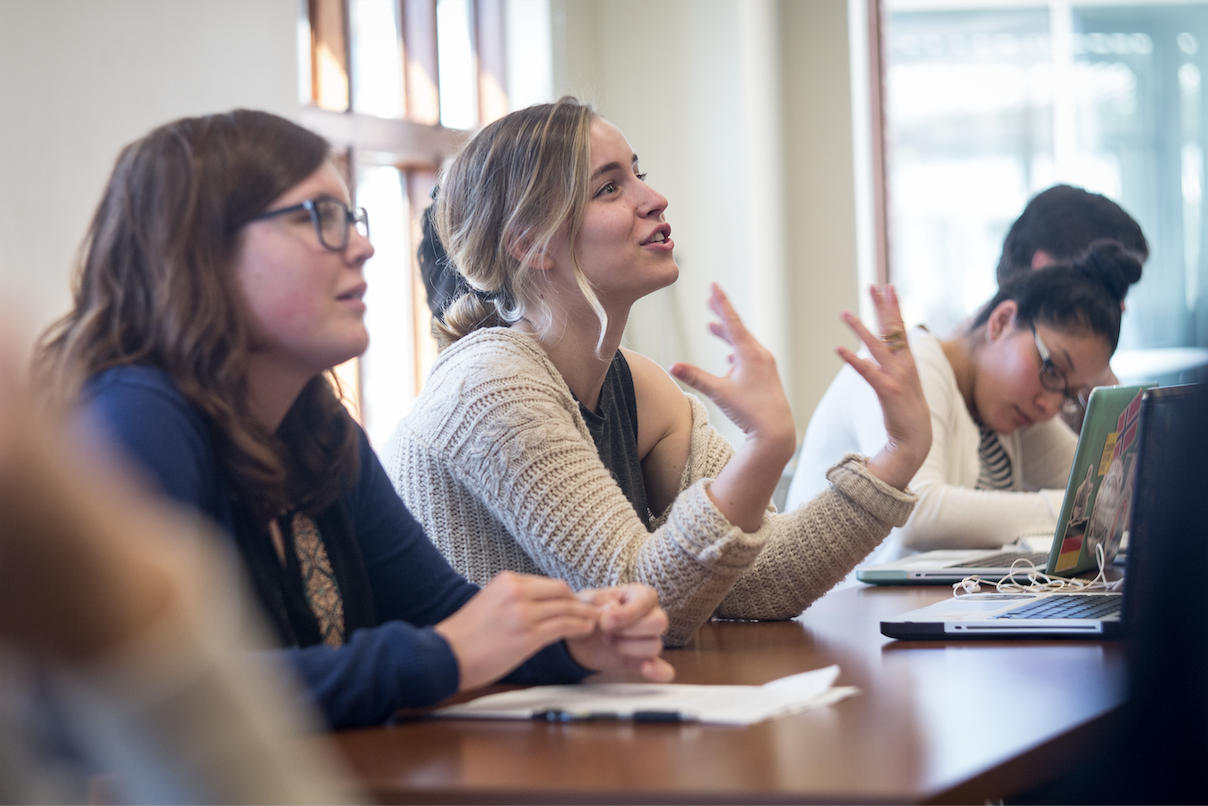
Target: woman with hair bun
539, 445
1000, 457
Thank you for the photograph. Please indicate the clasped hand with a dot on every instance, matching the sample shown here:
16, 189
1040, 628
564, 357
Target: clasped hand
516, 615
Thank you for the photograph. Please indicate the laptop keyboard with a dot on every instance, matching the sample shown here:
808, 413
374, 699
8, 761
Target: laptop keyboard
1065, 605
1004, 560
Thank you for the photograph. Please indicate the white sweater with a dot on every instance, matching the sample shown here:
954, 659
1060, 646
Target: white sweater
950, 512
497, 463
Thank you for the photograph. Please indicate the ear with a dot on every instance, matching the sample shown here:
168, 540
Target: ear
1041, 258
519, 249
1002, 318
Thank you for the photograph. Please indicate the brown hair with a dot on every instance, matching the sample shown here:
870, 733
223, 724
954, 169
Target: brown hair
513, 187
1064, 221
155, 286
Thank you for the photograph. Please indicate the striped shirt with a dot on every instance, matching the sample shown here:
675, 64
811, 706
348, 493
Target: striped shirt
995, 473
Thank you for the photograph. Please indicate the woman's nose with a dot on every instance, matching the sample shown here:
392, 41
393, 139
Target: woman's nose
1049, 403
654, 203
359, 248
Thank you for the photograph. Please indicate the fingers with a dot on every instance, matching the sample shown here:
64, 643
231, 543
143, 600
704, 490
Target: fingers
885, 300
892, 341
730, 329
707, 384
543, 632
536, 611
545, 609
889, 317
634, 604
873, 343
719, 303
629, 610
532, 586
650, 666
869, 370
552, 595
657, 670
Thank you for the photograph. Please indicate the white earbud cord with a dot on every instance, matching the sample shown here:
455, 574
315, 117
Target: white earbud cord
1036, 581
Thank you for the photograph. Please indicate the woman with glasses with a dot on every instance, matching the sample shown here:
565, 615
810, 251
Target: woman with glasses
222, 279
1000, 457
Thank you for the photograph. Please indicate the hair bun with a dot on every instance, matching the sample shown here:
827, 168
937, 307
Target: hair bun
1115, 267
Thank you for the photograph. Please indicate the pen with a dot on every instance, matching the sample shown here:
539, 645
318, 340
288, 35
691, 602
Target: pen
558, 715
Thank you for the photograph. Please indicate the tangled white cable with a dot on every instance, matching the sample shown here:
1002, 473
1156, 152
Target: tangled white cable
1037, 581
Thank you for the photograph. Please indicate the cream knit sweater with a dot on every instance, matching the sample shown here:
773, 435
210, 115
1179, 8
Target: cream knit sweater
497, 464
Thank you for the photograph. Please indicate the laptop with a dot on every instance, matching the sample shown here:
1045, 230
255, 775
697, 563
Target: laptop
1159, 485
1094, 511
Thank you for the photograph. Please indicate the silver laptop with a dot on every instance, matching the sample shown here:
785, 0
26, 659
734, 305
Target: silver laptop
1102, 463
1164, 415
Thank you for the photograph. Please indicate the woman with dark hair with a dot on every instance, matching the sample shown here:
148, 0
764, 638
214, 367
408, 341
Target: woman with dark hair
1000, 458
539, 445
221, 281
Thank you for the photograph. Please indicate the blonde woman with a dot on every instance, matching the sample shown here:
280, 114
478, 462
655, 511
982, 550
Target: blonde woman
538, 445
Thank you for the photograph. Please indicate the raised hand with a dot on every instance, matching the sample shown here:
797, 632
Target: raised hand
510, 619
752, 396
629, 638
893, 376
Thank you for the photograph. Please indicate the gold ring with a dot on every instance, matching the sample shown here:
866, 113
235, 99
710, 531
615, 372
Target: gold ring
895, 340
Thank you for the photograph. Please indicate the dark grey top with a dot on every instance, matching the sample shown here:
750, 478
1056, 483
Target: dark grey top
614, 429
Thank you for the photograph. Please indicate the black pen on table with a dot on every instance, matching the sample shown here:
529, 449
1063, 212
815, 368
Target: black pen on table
558, 715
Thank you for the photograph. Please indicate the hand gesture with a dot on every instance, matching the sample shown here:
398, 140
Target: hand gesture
510, 619
893, 376
750, 394
629, 638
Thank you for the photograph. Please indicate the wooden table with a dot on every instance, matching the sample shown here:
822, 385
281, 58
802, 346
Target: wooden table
944, 721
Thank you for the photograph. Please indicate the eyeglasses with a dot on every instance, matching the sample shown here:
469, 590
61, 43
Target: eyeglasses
331, 218
1050, 377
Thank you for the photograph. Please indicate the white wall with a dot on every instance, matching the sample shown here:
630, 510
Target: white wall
81, 78
820, 205
740, 112
739, 109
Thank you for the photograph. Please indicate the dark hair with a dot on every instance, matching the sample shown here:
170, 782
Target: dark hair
1084, 294
441, 281
155, 286
1064, 221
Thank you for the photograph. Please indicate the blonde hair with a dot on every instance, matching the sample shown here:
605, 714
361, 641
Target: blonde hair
509, 192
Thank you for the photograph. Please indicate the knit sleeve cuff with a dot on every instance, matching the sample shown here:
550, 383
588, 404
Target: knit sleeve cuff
851, 476
704, 532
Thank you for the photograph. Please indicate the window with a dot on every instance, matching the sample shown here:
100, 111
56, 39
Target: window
396, 85
987, 106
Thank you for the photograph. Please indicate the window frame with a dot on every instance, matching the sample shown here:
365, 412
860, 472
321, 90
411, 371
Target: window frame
416, 143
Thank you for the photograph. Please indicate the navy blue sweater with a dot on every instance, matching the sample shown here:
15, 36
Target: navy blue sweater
401, 662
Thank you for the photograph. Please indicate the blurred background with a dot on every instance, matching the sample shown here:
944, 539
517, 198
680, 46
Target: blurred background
807, 147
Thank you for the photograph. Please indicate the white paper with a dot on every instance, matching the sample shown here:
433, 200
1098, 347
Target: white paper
726, 705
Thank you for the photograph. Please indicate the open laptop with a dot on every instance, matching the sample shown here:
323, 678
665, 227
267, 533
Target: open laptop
1094, 511
1165, 417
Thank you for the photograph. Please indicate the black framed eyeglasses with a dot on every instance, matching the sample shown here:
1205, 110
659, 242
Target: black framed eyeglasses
1050, 377
331, 217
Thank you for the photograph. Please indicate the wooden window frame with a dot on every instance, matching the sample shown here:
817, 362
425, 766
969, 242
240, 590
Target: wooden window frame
875, 16
417, 144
